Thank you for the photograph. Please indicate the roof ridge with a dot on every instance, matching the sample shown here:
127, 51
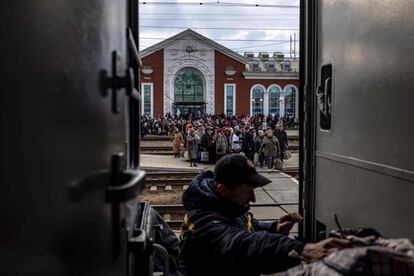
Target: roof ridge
162, 44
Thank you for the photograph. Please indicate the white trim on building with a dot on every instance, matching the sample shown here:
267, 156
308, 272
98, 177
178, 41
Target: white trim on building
279, 98
270, 76
203, 60
251, 97
296, 99
196, 37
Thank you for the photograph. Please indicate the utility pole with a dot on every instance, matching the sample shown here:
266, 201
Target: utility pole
294, 45
290, 48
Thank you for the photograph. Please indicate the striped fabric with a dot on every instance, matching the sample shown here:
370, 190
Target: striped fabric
381, 257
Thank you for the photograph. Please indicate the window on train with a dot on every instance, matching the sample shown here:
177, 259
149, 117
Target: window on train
324, 97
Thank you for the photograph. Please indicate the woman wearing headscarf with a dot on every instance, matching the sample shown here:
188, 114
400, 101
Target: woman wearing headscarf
221, 144
192, 139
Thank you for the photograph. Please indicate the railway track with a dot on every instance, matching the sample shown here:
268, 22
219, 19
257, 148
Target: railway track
156, 138
156, 150
173, 183
173, 214
168, 181
293, 172
179, 181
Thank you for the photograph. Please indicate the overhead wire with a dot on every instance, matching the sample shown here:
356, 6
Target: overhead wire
255, 46
280, 41
286, 53
219, 28
219, 19
254, 52
209, 14
221, 39
234, 49
219, 4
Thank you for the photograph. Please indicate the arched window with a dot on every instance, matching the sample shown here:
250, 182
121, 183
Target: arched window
188, 86
257, 99
290, 100
274, 100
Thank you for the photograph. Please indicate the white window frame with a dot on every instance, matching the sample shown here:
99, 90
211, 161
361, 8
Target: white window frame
234, 98
151, 95
251, 97
280, 95
296, 99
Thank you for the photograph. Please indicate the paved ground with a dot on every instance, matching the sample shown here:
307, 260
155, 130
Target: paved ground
170, 163
283, 188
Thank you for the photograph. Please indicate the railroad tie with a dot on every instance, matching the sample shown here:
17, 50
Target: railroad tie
168, 188
153, 189
167, 217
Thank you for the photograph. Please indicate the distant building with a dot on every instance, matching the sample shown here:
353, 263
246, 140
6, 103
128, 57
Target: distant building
192, 73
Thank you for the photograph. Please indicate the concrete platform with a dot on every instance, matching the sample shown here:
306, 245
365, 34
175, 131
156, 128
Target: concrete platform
169, 162
283, 188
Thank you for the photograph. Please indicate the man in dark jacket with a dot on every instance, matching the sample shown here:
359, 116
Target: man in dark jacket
207, 144
281, 135
248, 143
220, 237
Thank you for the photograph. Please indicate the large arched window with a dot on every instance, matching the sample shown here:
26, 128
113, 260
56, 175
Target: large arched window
189, 86
274, 100
290, 100
257, 93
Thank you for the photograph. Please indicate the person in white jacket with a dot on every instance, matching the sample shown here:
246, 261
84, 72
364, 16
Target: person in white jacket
235, 142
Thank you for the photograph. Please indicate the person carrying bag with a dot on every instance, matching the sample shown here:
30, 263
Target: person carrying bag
270, 149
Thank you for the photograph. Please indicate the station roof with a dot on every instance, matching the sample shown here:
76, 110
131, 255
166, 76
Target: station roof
211, 43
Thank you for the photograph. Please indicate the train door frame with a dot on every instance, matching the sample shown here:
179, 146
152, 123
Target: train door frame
307, 80
134, 106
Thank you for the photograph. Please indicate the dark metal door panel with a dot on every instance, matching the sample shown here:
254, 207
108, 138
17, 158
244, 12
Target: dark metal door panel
365, 155
56, 127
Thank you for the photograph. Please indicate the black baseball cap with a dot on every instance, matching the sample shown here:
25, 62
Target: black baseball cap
238, 169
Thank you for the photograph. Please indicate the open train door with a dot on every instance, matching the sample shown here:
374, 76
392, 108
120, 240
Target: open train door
358, 116
69, 123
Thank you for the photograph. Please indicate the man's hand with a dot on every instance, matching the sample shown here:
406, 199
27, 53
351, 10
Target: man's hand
287, 221
316, 251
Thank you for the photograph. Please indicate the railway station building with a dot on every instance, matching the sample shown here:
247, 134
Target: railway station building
189, 72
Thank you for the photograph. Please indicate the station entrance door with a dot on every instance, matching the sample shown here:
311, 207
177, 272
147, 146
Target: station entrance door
189, 86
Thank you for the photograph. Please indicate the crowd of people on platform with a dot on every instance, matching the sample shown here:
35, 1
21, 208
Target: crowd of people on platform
165, 125
207, 138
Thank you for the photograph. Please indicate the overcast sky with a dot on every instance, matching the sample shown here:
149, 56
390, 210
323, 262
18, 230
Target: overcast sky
271, 27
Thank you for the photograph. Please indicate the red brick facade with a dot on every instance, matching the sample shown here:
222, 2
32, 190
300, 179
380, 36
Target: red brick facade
243, 85
156, 61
